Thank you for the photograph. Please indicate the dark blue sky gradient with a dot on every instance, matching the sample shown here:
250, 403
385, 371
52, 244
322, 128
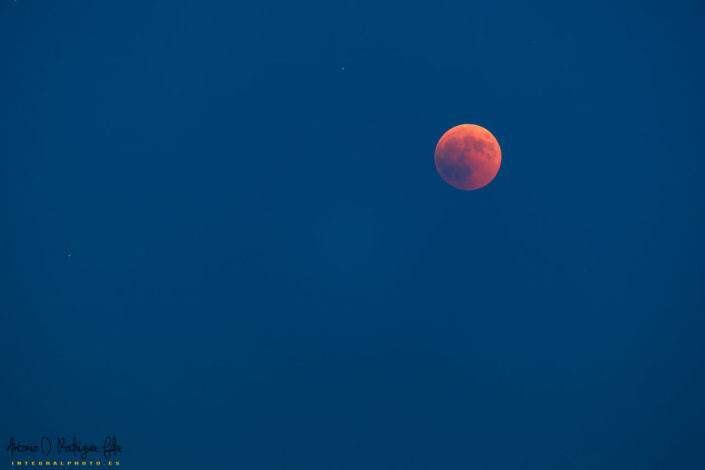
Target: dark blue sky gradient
267, 272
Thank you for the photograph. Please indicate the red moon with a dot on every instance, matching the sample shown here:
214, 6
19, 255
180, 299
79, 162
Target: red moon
468, 157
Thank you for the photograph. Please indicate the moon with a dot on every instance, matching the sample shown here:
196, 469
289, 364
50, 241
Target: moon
468, 157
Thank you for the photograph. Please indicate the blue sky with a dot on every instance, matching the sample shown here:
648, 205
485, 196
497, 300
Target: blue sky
266, 270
